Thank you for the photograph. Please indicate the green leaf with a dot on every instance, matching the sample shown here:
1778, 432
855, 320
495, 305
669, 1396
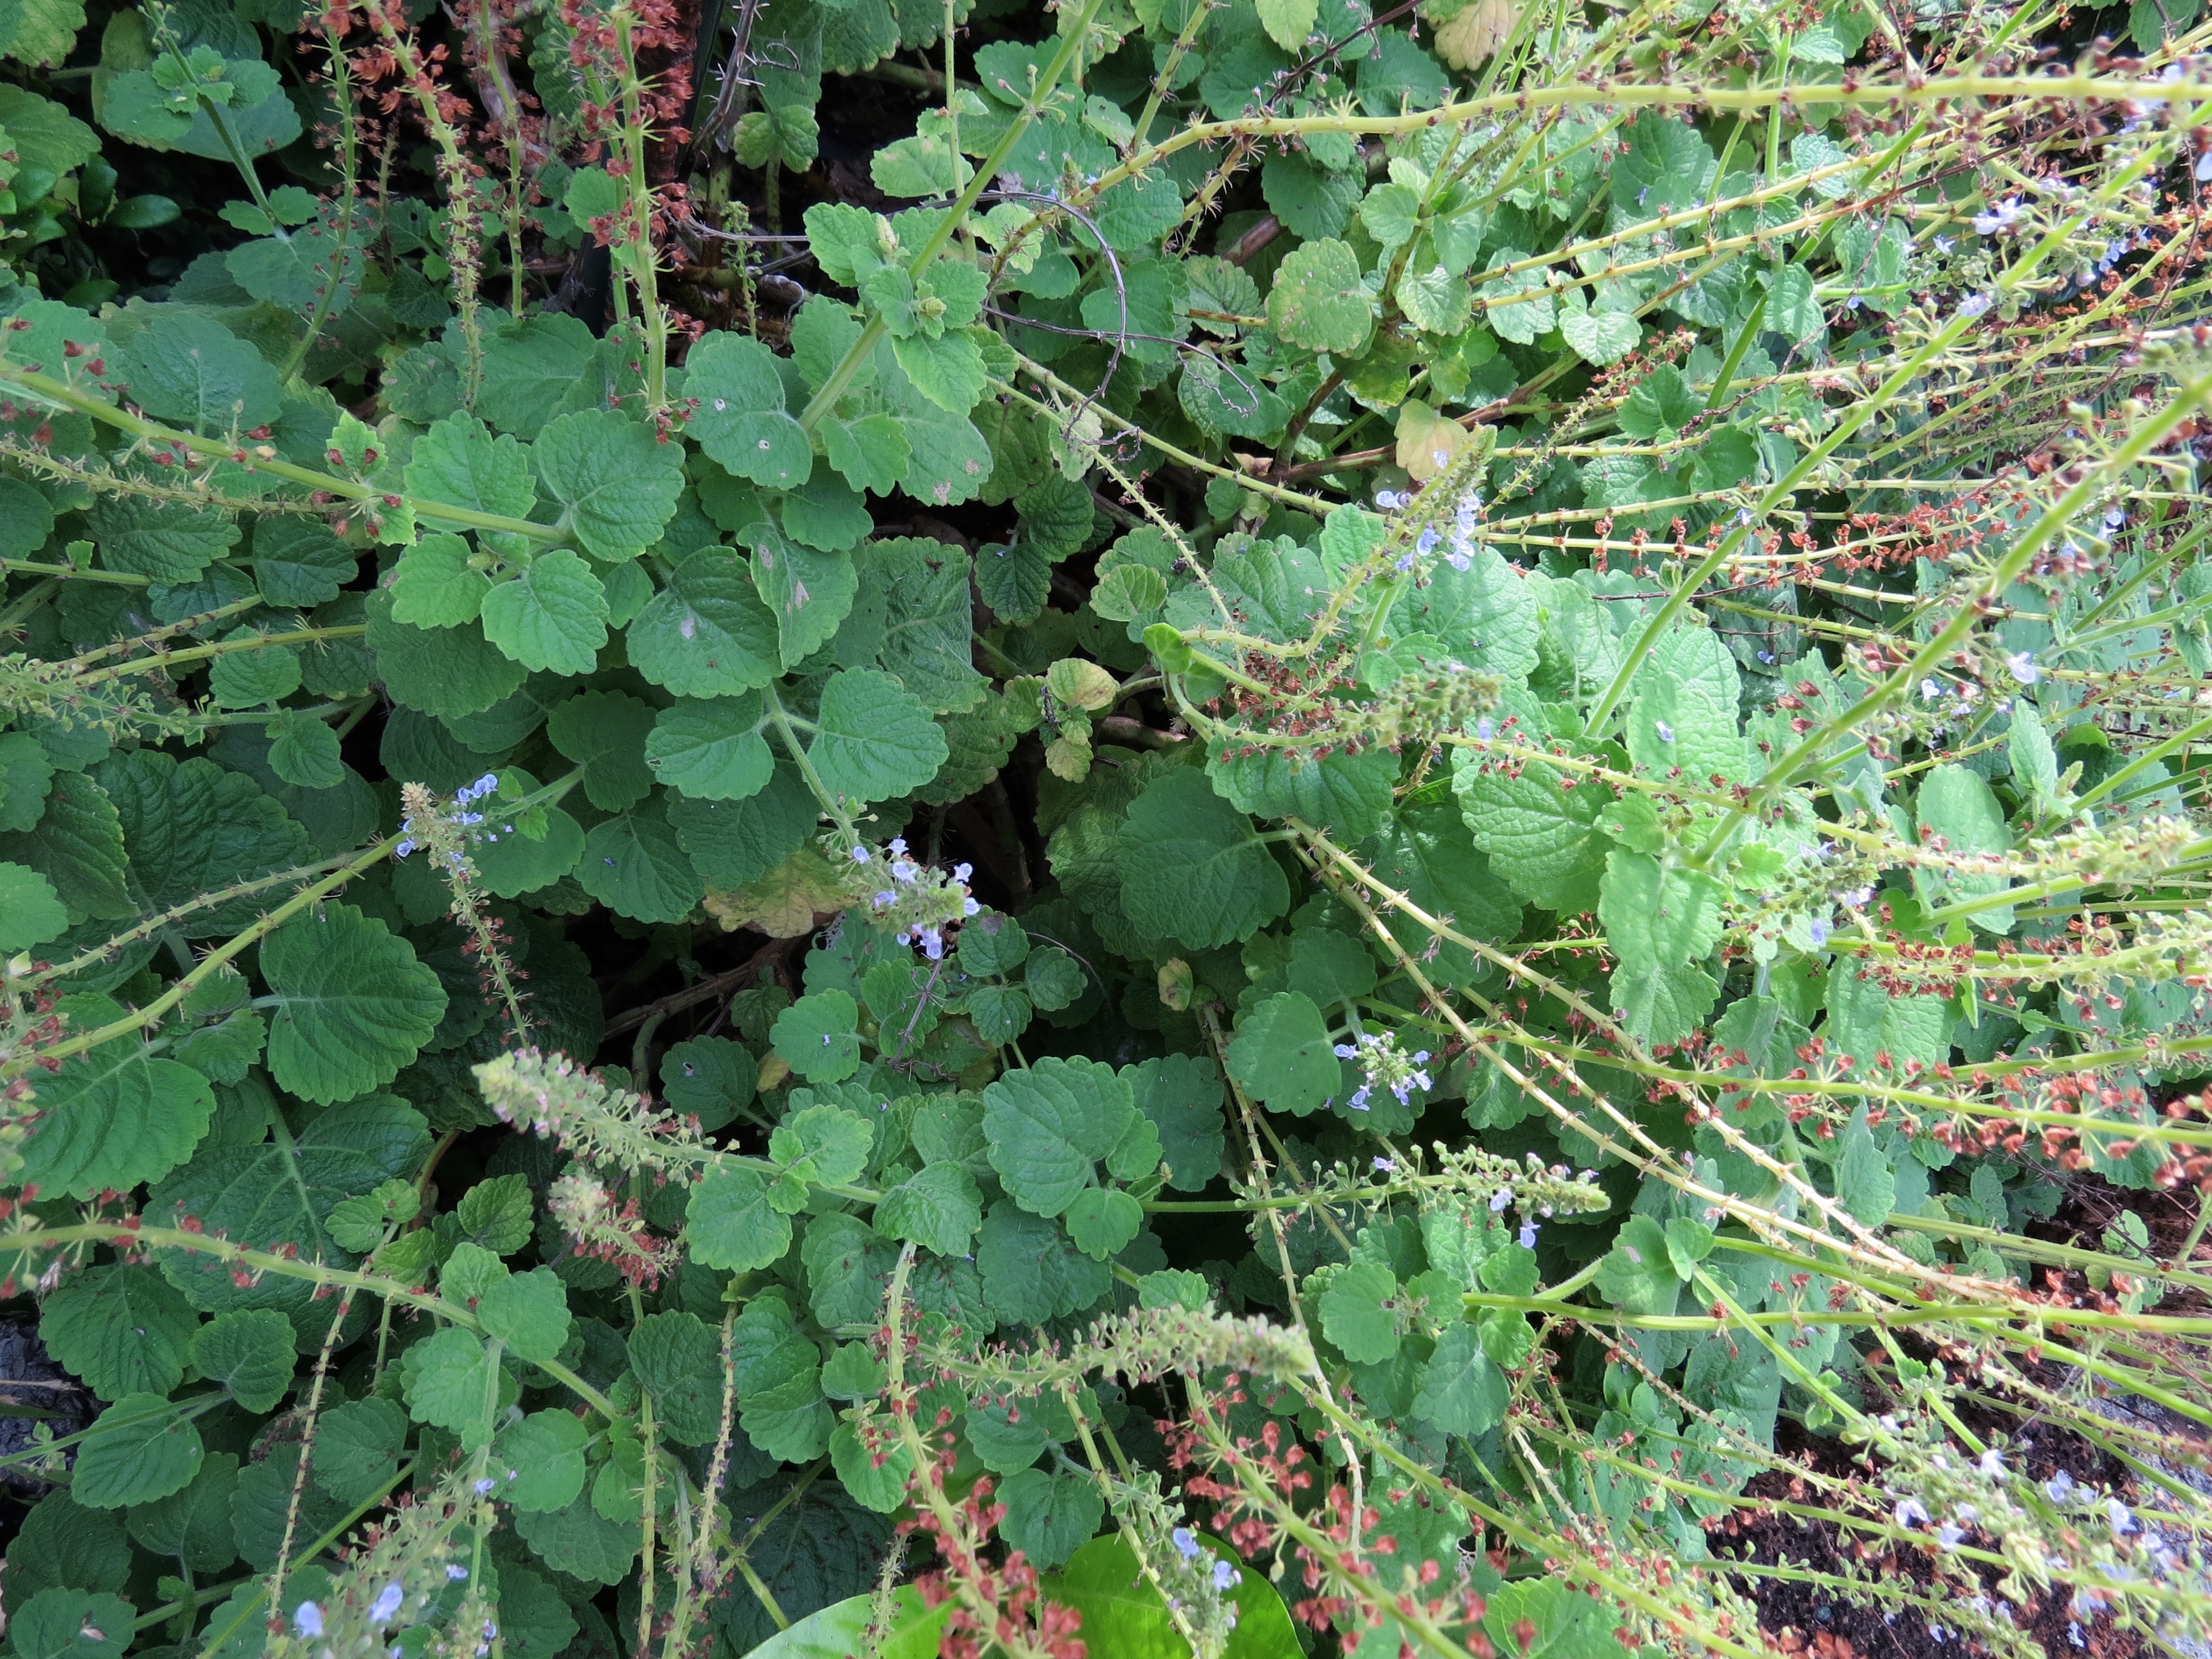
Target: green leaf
738, 418
1541, 838
113, 1117
1181, 1095
119, 1328
1864, 1181
939, 1208
780, 1405
69, 1624
26, 774
575, 1539
1102, 1220
709, 1078
460, 461
552, 617
1345, 792
281, 1192
678, 1357
1031, 1271
1050, 1513
823, 1143
1868, 1025
1125, 1616
64, 1543
605, 733
707, 633
194, 1524
1549, 1618
1311, 198
730, 1223
1658, 915
617, 480
192, 371
304, 750
77, 846
139, 1448
529, 1312
819, 1036
192, 828
1283, 1056
435, 585
809, 592
30, 911
1662, 401
351, 1003
999, 1012
929, 626
871, 451
918, 165
635, 866
1353, 1314
163, 542
733, 844
1596, 336
1638, 1275
496, 1213
1318, 300
451, 1383
1046, 1125
357, 1448
447, 671
947, 369
874, 738
36, 34
531, 364
251, 1354
1956, 804
1461, 1390
544, 1454
1192, 867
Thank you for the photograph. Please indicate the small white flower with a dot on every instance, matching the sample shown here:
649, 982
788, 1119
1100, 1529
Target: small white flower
2022, 666
1910, 1512
1992, 1463
1386, 1166
307, 1619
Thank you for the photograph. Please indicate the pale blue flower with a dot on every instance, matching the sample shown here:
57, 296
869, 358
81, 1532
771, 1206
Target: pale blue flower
385, 1607
307, 1619
1186, 1546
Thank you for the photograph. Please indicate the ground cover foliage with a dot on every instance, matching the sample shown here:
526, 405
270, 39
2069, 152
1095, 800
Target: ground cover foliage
842, 826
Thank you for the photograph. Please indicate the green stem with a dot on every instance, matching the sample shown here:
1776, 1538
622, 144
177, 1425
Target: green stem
62, 395
1072, 40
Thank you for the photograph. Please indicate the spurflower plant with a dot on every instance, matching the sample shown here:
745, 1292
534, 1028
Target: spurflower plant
1140, 828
